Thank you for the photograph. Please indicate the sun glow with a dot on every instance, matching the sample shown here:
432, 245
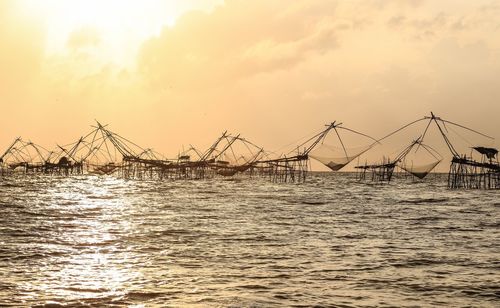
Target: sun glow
117, 27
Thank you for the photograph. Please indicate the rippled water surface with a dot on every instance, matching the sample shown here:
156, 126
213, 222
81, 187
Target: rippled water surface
329, 242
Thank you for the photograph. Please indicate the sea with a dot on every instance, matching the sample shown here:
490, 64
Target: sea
100, 241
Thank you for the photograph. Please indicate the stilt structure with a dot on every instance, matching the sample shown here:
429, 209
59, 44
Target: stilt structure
114, 154
468, 173
465, 171
103, 152
228, 156
294, 166
26, 157
383, 172
379, 172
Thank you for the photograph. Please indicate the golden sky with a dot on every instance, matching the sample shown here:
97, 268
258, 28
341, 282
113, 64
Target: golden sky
168, 73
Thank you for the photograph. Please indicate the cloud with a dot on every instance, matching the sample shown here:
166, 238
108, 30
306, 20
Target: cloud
385, 4
317, 62
396, 21
272, 70
237, 40
433, 21
83, 37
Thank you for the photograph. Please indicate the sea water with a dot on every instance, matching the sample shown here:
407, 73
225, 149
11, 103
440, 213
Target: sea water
331, 241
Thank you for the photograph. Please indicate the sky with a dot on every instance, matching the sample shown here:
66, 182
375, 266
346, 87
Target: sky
168, 73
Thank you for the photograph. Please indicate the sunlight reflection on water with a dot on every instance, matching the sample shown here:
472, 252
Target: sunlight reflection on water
95, 267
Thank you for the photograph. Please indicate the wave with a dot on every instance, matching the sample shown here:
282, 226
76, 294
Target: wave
424, 200
336, 243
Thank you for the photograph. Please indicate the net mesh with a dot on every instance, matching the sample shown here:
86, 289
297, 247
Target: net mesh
420, 171
334, 157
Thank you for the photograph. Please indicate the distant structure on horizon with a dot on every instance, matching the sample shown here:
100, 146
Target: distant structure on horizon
103, 152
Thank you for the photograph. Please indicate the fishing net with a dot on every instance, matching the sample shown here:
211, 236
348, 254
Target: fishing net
234, 150
418, 159
104, 152
232, 154
334, 157
420, 171
24, 154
